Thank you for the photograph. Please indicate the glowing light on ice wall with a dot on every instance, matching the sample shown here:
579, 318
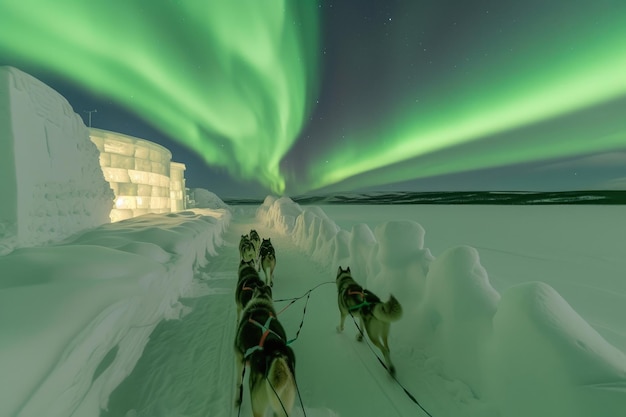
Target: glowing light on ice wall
231, 80
140, 173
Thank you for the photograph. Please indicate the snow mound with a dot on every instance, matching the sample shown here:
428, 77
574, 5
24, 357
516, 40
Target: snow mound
527, 352
118, 281
206, 199
279, 213
543, 350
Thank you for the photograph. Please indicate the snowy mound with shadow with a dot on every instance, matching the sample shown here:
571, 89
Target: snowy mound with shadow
526, 351
97, 298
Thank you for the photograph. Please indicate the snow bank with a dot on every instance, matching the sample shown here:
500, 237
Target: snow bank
206, 199
527, 352
98, 296
279, 213
544, 357
51, 181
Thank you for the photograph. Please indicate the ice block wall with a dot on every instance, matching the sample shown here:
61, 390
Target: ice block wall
139, 174
51, 184
177, 186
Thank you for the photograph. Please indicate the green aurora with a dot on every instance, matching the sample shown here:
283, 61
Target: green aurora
556, 71
232, 81
236, 82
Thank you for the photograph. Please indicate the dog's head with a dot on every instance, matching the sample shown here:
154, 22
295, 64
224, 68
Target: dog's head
341, 271
245, 264
343, 274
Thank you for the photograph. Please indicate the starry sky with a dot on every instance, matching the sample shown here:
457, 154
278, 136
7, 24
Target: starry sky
286, 96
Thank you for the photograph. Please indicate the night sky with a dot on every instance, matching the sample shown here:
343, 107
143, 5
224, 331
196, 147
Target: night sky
259, 97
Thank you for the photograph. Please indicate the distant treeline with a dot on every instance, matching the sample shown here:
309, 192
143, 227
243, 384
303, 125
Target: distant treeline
602, 197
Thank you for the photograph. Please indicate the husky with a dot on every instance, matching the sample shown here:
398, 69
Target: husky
246, 249
256, 241
267, 261
248, 280
375, 316
261, 342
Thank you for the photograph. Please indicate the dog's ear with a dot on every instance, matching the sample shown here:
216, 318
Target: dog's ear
339, 270
348, 269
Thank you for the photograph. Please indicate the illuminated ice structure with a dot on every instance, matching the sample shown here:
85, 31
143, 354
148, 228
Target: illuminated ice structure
51, 184
140, 174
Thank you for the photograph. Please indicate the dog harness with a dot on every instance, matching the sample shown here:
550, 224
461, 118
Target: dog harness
266, 331
363, 303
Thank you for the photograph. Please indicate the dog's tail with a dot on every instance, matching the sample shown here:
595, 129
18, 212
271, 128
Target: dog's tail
281, 386
389, 311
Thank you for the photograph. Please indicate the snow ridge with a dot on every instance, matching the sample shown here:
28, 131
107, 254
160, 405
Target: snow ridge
521, 352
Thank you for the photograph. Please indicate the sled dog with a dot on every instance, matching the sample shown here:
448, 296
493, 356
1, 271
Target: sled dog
375, 316
267, 260
248, 280
246, 249
256, 242
261, 342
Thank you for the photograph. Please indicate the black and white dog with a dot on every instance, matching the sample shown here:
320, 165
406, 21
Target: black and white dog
246, 249
256, 242
267, 260
375, 316
261, 342
248, 280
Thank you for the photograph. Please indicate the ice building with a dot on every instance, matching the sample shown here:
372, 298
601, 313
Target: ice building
141, 174
51, 183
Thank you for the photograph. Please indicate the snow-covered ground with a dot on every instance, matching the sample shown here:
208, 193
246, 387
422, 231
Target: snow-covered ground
137, 318
75, 317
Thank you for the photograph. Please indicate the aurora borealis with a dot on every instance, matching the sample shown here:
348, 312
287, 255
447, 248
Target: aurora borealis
231, 81
324, 95
544, 64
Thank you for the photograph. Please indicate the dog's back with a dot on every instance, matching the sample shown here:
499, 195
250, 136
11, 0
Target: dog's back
246, 249
375, 315
248, 280
255, 239
261, 340
354, 299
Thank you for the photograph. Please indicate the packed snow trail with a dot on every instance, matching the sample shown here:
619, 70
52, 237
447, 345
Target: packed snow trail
187, 366
187, 369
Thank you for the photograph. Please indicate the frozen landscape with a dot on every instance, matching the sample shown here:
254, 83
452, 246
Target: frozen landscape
508, 311
137, 318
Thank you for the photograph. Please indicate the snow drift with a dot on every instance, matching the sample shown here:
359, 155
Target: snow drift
526, 351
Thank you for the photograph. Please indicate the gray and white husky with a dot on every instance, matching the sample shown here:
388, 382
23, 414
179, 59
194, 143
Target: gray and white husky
261, 342
267, 260
375, 316
256, 241
246, 249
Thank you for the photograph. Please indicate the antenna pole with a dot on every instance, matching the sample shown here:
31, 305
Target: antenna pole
89, 112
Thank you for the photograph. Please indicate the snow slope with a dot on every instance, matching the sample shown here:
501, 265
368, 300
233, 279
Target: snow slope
462, 348
137, 318
76, 316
